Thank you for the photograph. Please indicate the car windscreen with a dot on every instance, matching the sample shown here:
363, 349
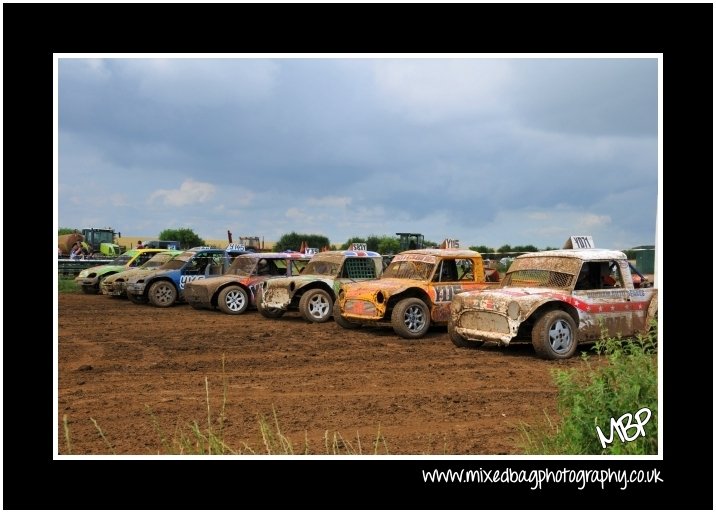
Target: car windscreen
242, 266
178, 261
122, 260
157, 260
539, 278
409, 269
321, 267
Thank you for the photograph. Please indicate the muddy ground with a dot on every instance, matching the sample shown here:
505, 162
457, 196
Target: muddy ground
139, 374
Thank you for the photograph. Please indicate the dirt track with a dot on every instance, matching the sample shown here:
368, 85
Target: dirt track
140, 372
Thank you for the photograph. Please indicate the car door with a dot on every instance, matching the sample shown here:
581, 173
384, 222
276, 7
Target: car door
452, 276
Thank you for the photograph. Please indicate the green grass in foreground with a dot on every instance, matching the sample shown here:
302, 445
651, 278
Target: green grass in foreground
593, 395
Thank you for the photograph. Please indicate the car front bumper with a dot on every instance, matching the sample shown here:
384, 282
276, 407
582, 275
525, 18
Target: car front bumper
276, 297
488, 326
362, 310
135, 289
86, 282
113, 289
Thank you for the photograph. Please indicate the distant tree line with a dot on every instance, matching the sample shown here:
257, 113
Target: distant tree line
293, 241
186, 237
383, 244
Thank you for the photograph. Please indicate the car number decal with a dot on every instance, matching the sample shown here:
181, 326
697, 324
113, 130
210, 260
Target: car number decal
445, 293
183, 280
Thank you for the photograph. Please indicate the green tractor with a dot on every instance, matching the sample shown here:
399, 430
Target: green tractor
103, 242
411, 241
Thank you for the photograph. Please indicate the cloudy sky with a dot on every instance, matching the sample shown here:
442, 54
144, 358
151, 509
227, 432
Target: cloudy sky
489, 151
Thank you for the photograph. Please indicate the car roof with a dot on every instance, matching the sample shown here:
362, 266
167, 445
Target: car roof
581, 254
293, 256
135, 251
200, 248
347, 252
451, 252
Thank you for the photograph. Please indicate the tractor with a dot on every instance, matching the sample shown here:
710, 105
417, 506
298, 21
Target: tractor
411, 241
103, 242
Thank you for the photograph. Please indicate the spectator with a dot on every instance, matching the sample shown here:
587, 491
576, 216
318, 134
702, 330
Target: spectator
76, 251
140, 245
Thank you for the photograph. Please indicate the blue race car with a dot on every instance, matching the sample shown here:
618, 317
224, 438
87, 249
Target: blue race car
164, 286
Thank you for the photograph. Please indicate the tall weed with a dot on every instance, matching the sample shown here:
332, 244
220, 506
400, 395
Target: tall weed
622, 380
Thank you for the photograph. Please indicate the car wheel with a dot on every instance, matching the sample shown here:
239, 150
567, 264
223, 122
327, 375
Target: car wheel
554, 336
89, 289
341, 321
162, 294
233, 300
411, 318
316, 305
269, 313
459, 340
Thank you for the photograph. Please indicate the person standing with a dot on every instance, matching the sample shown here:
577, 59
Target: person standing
140, 245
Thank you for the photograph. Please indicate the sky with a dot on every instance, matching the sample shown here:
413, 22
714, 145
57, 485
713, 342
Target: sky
489, 150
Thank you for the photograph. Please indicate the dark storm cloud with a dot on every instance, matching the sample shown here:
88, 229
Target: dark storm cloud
343, 146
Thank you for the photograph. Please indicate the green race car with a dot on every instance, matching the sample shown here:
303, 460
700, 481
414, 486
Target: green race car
91, 279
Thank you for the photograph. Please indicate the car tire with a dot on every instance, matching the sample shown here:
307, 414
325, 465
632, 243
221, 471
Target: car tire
341, 321
554, 335
269, 313
316, 305
233, 300
461, 341
89, 289
162, 293
410, 318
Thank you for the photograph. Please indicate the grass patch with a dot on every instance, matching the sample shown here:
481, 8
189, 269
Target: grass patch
624, 382
68, 285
